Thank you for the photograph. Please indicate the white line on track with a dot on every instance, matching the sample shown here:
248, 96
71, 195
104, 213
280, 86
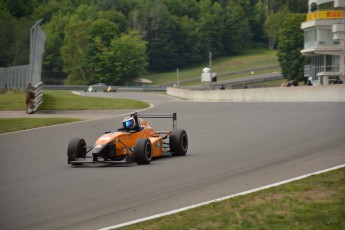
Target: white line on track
219, 199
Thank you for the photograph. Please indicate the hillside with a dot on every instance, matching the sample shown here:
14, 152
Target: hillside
251, 59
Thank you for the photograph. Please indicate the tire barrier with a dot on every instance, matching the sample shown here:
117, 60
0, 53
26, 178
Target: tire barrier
34, 97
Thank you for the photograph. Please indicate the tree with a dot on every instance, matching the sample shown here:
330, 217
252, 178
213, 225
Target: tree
272, 26
117, 18
184, 8
15, 33
6, 37
19, 8
211, 28
178, 33
75, 43
155, 23
236, 29
291, 40
189, 47
188, 40
256, 22
52, 61
297, 6
100, 35
124, 61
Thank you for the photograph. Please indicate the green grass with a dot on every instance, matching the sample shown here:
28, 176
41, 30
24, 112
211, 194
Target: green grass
15, 124
248, 60
66, 100
220, 79
317, 202
12, 100
57, 100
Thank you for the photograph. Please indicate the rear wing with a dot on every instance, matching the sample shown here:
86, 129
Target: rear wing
161, 115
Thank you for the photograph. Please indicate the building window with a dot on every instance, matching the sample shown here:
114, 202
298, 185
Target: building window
323, 63
309, 35
325, 35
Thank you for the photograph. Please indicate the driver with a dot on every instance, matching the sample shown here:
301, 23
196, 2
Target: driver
131, 123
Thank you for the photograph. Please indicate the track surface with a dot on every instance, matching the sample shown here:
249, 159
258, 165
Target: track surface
234, 147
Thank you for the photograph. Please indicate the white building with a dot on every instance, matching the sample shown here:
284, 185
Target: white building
324, 41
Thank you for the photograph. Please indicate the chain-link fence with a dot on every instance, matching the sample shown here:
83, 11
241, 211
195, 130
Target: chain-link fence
15, 77
28, 77
18, 77
37, 38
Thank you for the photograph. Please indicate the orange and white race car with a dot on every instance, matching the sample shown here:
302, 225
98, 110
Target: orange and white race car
136, 142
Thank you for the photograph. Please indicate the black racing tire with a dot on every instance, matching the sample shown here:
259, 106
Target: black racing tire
143, 151
178, 142
76, 149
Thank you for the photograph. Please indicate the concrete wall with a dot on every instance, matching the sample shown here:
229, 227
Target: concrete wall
330, 93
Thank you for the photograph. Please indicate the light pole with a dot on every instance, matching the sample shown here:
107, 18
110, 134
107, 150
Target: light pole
210, 66
178, 77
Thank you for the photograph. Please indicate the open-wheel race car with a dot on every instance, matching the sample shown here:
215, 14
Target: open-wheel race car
136, 142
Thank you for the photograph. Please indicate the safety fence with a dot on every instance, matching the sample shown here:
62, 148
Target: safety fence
222, 75
38, 38
28, 77
15, 77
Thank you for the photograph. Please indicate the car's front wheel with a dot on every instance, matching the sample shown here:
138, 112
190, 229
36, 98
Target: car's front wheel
76, 149
143, 151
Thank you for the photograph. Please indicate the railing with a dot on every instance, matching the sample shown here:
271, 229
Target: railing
307, 70
28, 77
14, 77
322, 44
312, 71
224, 74
319, 69
115, 88
34, 97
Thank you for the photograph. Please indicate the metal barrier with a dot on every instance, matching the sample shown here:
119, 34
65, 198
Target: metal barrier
116, 88
223, 74
28, 77
34, 97
14, 77
37, 38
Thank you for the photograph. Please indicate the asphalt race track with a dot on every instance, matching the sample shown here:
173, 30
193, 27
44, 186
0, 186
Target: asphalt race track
233, 147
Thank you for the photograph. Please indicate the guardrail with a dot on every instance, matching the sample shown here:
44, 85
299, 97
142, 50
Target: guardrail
223, 74
34, 97
14, 77
116, 88
233, 83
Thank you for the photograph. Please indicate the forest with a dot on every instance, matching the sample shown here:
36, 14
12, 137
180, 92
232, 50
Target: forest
117, 41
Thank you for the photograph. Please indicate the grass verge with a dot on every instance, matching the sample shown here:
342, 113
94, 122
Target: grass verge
248, 60
317, 202
57, 100
66, 100
12, 100
15, 124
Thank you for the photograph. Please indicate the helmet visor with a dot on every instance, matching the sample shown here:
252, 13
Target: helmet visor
128, 124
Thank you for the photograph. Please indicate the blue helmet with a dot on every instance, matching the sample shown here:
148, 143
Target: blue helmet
128, 123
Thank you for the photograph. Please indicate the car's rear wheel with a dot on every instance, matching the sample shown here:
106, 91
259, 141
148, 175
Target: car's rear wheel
143, 151
178, 142
76, 149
